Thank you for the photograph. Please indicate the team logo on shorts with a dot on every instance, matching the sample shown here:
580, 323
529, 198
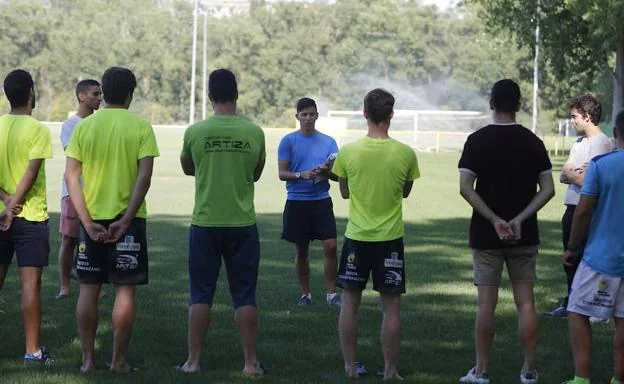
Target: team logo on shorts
393, 261
129, 245
603, 285
393, 278
126, 263
351, 258
82, 247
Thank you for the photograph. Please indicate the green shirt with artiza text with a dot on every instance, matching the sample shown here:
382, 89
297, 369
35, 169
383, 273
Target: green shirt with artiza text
23, 138
376, 171
109, 145
225, 150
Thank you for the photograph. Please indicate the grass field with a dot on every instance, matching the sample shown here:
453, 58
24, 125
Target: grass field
301, 345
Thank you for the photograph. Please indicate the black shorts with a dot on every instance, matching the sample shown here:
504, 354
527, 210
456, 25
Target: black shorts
309, 220
383, 258
29, 240
239, 248
123, 263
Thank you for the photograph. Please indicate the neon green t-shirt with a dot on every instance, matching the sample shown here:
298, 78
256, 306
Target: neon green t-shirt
225, 151
376, 171
23, 138
109, 144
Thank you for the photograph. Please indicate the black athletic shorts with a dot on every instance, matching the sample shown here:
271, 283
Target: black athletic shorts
124, 262
29, 240
383, 258
307, 220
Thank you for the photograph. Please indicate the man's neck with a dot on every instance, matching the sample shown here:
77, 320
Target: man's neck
378, 131
307, 132
116, 106
224, 109
21, 111
84, 111
504, 118
592, 130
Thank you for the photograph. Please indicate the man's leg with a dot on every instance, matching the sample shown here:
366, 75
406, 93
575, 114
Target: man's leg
246, 322
527, 322
618, 349
3, 271
199, 323
487, 298
391, 332
87, 317
302, 266
65, 261
30, 278
580, 340
123, 320
330, 264
348, 327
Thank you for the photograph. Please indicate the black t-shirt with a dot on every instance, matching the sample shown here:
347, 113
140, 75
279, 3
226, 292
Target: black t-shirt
507, 161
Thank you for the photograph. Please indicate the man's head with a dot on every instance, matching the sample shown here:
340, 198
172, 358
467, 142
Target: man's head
618, 129
19, 89
307, 114
118, 86
378, 106
505, 96
89, 93
585, 112
222, 87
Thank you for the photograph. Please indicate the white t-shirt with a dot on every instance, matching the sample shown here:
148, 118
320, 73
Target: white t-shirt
66, 133
582, 152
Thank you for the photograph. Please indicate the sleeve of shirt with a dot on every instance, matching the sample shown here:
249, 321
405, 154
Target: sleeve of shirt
543, 161
41, 145
414, 171
600, 146
186, 145
591, 186
148, 146
468, 162
66, 132
74, 149
262, 145
339, 167
333, 148
283, 150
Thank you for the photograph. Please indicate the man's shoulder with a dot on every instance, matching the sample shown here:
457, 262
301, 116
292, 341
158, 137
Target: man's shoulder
607, 156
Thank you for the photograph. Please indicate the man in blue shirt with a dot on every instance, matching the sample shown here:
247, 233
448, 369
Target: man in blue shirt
597, 290
304, 158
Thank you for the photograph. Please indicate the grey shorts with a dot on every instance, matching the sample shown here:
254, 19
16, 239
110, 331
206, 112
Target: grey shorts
595, 294
520, 261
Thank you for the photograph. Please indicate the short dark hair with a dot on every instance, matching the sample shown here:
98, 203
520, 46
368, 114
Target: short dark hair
379, 104
304, 103
84, 85
619, 124
117, 84
506, 96
17, 86
587, 105
222, 86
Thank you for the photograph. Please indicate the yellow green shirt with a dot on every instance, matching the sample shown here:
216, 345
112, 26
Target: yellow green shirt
23, 138
109, 144
225, 151
376, 171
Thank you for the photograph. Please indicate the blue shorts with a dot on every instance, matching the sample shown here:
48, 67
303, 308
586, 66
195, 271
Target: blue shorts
240, 250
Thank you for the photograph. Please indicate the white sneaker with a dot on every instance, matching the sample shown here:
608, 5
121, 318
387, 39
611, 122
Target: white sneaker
528, 377
596, 320
473, 377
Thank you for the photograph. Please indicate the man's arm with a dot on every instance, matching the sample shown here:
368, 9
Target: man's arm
4, 197
188, 166
259, 168
571, 175
73, 170
344, 188
580, 228
286, 175
467, 191
27, 181
543, 196
407, 188
141, 186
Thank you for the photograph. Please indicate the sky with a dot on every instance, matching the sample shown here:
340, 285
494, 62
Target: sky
442, 4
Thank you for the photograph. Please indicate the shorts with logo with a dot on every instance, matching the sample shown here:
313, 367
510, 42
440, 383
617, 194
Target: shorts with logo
69, 223
488, 265
596, 295
307, 220
28, 240
124, 262
238, 248
383, 258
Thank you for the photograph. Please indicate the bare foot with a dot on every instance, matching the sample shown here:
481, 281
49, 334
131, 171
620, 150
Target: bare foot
256, 369
187, 368
395, 377
123, 368
86, 368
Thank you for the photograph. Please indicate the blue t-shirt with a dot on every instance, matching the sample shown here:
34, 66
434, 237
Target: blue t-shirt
604, 180
304, 153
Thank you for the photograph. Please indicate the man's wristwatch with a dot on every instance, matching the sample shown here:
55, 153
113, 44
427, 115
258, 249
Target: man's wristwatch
298, 175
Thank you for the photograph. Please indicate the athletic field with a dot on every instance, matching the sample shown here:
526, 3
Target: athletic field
301, 345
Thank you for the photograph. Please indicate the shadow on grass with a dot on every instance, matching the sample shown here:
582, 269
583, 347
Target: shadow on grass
300, 345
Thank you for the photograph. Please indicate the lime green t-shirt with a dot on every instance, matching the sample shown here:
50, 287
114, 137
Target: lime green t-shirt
23, 138
109, 144
376, 171
225, 151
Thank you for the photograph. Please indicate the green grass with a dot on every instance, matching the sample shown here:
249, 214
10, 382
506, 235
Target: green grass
301, 345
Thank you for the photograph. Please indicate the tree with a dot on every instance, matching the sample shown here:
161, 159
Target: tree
580, 38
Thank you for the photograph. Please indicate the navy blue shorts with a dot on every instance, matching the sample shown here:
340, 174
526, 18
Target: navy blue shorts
304, 221
384, 259
28, 240
123, 263
240, 250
